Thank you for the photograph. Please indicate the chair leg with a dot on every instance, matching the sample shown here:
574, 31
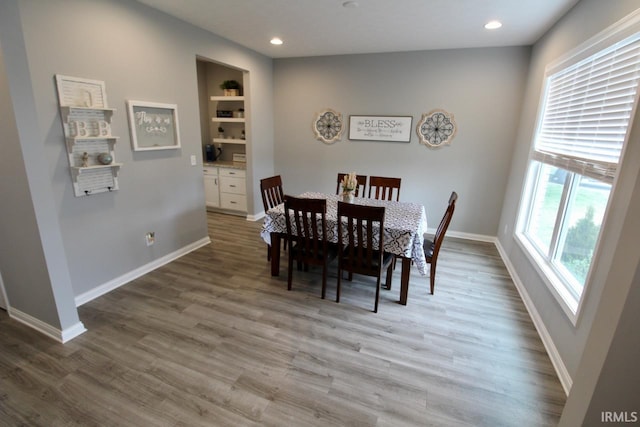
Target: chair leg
289, 271
268, 252
432, 276
325, 267
338, 285
389, 276
375, 307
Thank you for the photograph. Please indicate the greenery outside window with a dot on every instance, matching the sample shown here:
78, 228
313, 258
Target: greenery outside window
583, 125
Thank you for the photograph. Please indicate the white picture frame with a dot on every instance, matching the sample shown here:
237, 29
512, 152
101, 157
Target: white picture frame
380, 128
81, 92
153, 125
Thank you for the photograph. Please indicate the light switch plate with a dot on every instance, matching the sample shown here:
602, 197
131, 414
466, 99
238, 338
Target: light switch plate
194, 161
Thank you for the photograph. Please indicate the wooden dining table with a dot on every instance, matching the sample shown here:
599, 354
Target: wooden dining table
404, 226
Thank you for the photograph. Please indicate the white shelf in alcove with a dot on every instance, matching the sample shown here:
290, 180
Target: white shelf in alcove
227, 120
78, 170
230, 141
72, 141
227, 98
66, 111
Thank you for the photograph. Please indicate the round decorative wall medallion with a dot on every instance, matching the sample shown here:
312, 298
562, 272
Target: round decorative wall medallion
328, 126
436, 128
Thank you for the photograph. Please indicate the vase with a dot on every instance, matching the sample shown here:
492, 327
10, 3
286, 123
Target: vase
347, 196
105, 158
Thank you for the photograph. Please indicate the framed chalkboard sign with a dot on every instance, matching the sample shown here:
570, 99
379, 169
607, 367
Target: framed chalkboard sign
154, 126
380, 128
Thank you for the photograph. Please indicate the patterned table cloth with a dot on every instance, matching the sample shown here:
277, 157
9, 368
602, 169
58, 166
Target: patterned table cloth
404, 225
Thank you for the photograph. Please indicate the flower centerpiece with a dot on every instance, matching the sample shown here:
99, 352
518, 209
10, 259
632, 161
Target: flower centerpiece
349, 184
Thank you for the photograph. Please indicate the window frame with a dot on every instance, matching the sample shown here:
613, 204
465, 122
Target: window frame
548, 270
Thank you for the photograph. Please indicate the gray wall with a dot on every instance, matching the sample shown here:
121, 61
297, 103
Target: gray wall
481, 87
608, 378
33, 265
141, 54
618, 386
585, 20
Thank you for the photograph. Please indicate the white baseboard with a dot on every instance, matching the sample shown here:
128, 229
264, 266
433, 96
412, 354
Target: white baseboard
140, 271
467, 236
46, 329
547, 341
256, 217
4, 300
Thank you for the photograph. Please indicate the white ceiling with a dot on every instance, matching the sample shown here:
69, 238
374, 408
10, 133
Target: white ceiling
326, 27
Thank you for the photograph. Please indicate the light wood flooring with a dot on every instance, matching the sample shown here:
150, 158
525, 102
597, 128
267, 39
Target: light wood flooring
212, 339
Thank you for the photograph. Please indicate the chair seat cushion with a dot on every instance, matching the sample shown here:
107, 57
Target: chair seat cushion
386, 258
332, 252
428, 247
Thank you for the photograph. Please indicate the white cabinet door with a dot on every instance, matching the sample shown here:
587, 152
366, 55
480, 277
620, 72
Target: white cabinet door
233, 173
235, 202
233, 185
211, 187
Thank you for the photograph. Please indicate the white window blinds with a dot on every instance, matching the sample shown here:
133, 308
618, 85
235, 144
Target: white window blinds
587, 111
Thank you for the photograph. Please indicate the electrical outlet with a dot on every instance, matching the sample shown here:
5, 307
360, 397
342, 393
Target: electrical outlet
150, 238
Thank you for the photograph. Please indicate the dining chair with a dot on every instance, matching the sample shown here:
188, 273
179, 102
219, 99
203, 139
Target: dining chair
307, 234
272, 196
360, 243
383, 188
362, 182
432, 247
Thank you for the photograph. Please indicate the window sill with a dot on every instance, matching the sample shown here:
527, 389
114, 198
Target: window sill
547, 274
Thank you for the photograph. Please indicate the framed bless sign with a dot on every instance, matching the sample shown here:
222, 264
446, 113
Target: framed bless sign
380, 128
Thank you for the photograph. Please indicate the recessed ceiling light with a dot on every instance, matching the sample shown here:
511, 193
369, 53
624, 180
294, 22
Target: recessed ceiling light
276, 41
493, 25
350, 4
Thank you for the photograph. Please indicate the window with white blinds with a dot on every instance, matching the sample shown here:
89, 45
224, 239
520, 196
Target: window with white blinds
587, 110
589, 100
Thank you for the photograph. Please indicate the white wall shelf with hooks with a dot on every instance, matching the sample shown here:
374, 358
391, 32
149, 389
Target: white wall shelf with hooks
86, 121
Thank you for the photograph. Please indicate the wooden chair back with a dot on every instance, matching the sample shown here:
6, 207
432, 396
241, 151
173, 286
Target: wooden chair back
432, 248
361, 244
360, 189
272, 194
307, 234
383, 188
